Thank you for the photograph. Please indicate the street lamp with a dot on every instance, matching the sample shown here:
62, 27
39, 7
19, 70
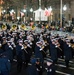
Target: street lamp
24, 10
31, 10
63, 16
64, 8
23, 14
32, 17
3, 11
61, 9
12, 11
50, 9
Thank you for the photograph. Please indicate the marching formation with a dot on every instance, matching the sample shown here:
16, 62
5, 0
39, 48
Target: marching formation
30, 47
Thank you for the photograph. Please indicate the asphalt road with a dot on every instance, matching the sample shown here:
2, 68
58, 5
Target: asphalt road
60, 68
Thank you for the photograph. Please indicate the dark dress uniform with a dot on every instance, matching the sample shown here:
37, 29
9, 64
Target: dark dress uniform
3, 46
8, 52
38, 54
51, 70
72, 43
1, 51
32, 69
67, 53
4, 65
62, 47
53, 52
50, 67
27, 55
39, 68
19, 57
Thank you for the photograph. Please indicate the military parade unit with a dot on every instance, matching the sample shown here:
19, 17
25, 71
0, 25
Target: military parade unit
35, 52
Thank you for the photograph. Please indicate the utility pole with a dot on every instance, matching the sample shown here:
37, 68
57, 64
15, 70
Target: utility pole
40, 11
61, 13
39, 3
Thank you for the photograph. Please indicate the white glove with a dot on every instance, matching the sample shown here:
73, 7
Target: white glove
22, 47
10, 47
37, 69
69, 45
41, 49
30, 43
14, 45
56, 46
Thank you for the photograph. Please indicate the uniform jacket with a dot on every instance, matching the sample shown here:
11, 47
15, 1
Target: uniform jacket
67, 52
4, 64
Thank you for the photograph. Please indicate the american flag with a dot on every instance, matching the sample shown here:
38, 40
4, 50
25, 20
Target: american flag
47, 13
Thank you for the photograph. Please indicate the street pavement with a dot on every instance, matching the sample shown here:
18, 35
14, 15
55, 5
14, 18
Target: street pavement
60, 68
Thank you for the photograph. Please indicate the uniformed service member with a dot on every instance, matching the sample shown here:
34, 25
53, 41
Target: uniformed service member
50, 67
26, 53
35, 68
67, 52
39, 66
38, 53
4, 65
53, 51
19, 55
8, 50
32, 69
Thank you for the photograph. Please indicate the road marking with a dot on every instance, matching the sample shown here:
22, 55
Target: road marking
15, 60
64, 66
62, 73
55, 64
64, 60
71, 68
61, 60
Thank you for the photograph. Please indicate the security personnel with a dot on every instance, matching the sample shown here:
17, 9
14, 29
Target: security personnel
50, 67
39, 66
19, 55
4, 65
32, 69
